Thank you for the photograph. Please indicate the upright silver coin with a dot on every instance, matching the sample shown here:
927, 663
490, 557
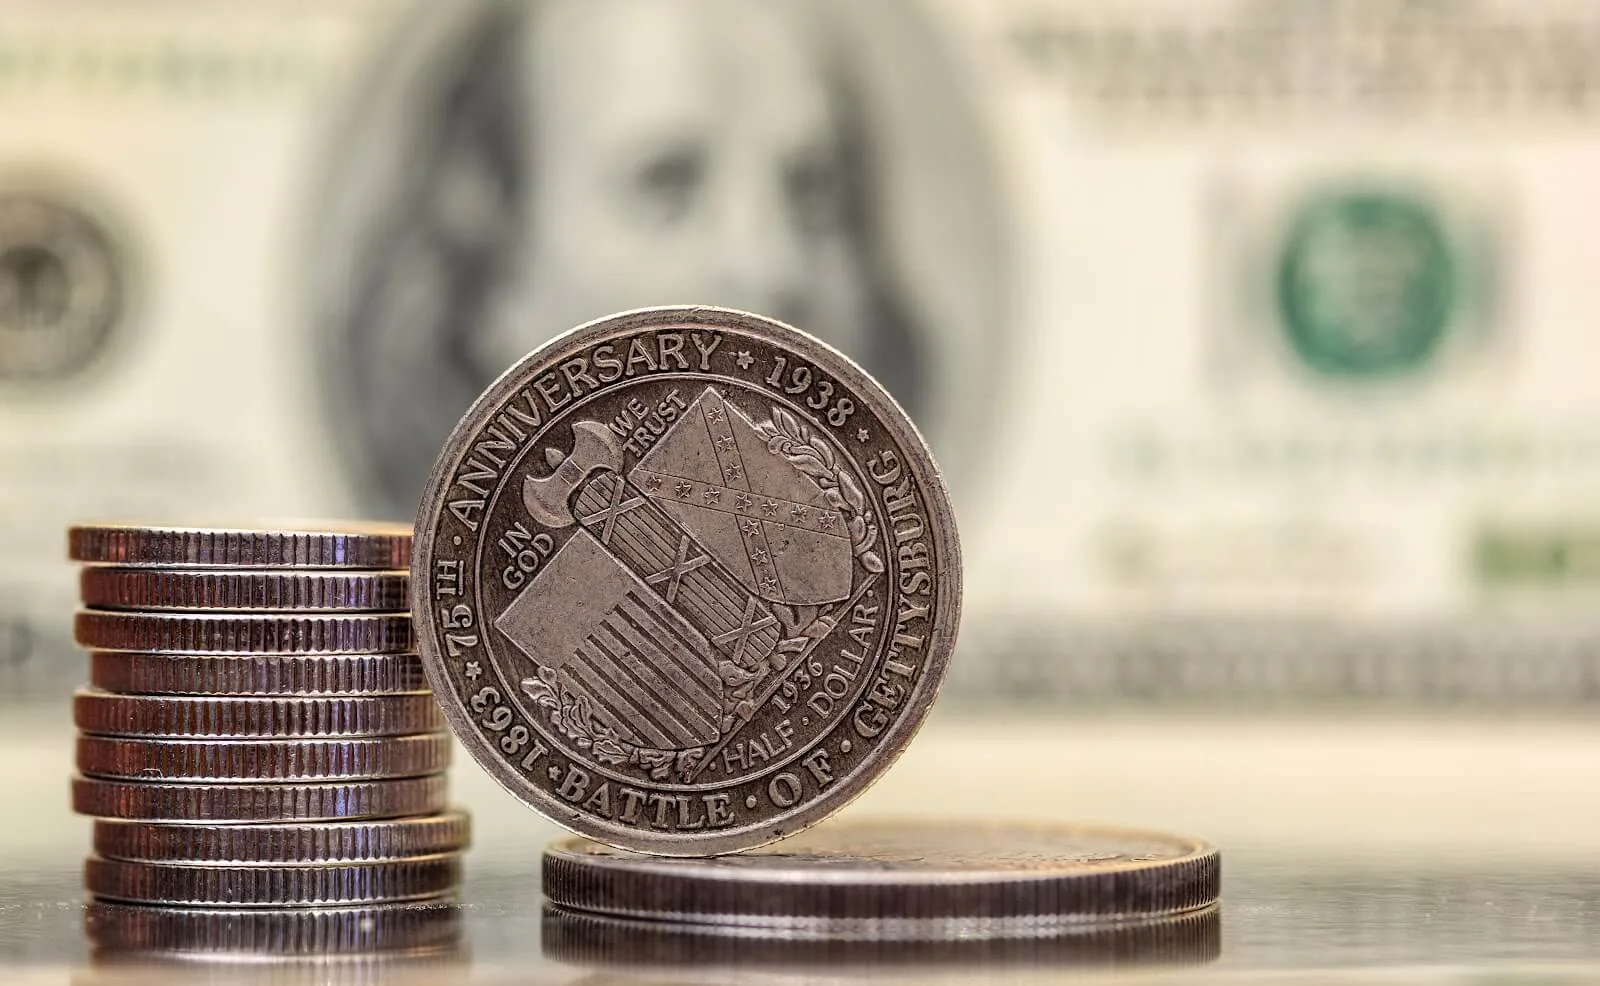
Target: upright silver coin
369, 546
900, 880
686, 580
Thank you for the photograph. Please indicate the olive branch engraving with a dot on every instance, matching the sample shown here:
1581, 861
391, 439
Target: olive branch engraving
814, 456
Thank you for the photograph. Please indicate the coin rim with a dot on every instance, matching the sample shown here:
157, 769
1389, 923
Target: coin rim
369, 929
365, 546
282, 843
218, 675
135, 588
268, 631
125, 715
292, 758
270, 885
226, 801
796, 898
941, 523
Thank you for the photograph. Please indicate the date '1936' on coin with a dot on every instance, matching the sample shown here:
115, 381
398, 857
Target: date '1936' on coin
686, 580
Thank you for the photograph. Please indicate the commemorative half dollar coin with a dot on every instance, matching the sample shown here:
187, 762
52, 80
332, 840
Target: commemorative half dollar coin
686, 580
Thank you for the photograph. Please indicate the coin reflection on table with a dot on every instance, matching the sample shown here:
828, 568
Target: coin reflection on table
134, 943
595, 940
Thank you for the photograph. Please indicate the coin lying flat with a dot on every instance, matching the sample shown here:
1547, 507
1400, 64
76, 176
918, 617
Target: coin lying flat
577, 938
111, 714
368, 546
286, 633
264, 932
900, 880
686, 580
321, 842
255, 674
245, 760
243, 885
115, 587
181, 802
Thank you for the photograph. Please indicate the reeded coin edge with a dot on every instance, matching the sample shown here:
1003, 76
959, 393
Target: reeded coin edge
249, 885
939, 646
318, 842
243, 633
253, 675
199, 590
593, 939
826, 902
254, 716
242, 761
271, 802
261, 931
371, 547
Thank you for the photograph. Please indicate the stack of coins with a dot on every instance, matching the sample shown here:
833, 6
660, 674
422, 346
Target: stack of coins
258, 737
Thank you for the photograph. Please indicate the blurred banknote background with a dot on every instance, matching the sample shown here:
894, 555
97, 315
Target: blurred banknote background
1257, 337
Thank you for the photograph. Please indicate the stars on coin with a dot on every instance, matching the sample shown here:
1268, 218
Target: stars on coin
744, 359
769, 586
715, 415
743, 501
798, 512
474, 670
827, 519
683, 489
770, 508
554, 772
759, 556
726, 443
712, 496
750, 527
862, 434
653, 483
733, 471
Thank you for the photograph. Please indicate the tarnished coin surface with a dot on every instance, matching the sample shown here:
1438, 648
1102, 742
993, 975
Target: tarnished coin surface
119, 587
246, 885
900, 879
320, 842
156, 673
317, 931
363, 545
686, 580
257, 802
111, 714
275, 633
245, 760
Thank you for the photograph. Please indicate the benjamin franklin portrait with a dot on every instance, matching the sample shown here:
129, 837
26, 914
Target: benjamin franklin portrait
512, 169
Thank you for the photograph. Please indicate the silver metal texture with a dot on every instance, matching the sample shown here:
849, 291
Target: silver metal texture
319, 842
179, 802
246, 885
244, 760
686, 580
269, 932
118, 587
254, 633
111, 714
363, 545
900, 880
596, 940
156, 673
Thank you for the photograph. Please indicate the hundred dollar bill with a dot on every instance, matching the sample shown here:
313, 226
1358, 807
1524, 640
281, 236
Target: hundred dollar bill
1254, 337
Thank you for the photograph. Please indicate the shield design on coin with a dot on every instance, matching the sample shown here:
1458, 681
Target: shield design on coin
656, 623
753, 509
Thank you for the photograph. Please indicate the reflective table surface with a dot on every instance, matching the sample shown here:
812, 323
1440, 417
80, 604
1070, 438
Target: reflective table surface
1354, 850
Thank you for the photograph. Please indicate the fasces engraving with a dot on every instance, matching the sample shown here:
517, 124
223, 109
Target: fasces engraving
674, 599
